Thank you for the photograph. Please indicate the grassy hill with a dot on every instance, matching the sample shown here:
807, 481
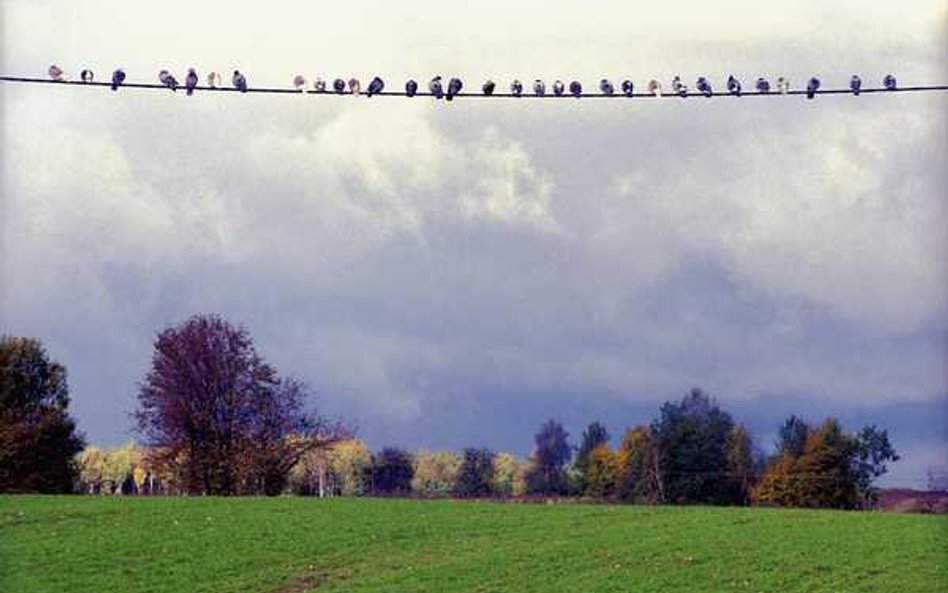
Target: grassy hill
287, 545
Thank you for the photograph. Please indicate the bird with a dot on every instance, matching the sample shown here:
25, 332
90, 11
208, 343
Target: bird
812, 87
703, 86
411, 87
214, 80
118, 77
240, 81
168, 79
889, 82
606, 87
436, 88
516, 88
454, 88
628, 88
354, 87
190, 81
375, 86
576, 89
558, 88
56, 73
733, 86
855, 84
678, 88
488, 87
783, 85
655, 87
319, 85
339, 85
86, 76
539, 88
763, 85
299, 81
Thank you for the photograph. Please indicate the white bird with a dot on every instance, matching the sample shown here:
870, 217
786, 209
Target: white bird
354, 87
783, 85
678, 88
240, 81
214, 80
190, 81
56, 73
558, 88
319, 85
539, 88
655, 87
299, 81
86, 76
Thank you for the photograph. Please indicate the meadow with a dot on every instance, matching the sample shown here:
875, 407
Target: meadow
293, 544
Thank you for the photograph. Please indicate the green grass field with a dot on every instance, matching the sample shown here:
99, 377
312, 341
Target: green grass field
287, 545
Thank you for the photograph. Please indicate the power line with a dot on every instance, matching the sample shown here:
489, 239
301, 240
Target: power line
470, 95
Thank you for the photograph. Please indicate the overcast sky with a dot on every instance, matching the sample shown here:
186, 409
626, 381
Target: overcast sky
453, 274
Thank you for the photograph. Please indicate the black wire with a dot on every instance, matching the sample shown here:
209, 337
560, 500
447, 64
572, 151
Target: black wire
525, 95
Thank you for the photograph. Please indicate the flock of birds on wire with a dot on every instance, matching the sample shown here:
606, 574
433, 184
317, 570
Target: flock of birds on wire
438, 89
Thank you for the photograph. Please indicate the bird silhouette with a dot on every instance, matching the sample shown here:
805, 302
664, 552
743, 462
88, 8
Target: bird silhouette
733, 86
168, 79
118, 77
812, 87
488, 87
319, 85
605, 87
516, 88
628, 88
375, 86
558, 88
436, 87
411, 87
539, 88
339, 85
655, 87
86, 76
240, 81
703, 86
454, 88
299, 82
763, 85
576, 89
889, 82
190, 81
855, 84
56, 73
783, 85
214, 80
354, 87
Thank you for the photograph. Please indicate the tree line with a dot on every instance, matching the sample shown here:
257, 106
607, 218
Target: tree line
216, 418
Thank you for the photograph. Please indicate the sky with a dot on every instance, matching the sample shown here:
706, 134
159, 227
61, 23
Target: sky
444, 275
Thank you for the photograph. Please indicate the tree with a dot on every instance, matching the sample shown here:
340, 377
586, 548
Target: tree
594, 435
691, 438
435, 474
476, 475
741, 463
38, 438
601, 472
351, 461
546, 476
211, 402
791, 438
391, 472
508, 475
873, 452
639, 477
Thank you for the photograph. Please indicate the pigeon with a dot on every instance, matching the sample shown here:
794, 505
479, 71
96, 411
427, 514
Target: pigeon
56, 73
516, 88
168, 79
733, 86
488, 87
190, 81
454, 88
436, 88
783, 85
678, 88
812, 87
627, 87
655, 87
118, 77
606, 87
339, 85
703, 86
558, 88
889, 82
375, 86
576, 89
319, 85
539, 88
855, 83
214, 80
240, 81
763, 85
354, 87
86, 76
299, 81
411, 87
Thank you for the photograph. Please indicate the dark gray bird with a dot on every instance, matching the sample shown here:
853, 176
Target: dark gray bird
733, 86
56, 73
889, 82
454, 87
855, 84
558, 88
190, 81
240, 81
516, 88
436, 87
339, 85
679, 88
168, 79
86, 76
655, 87
606, 88
783, 85
214, 80
812, 87
319, 85
763, 85
118, 77
488, 87
703, 86
576, 89
411, 87
628, 88
376, 86
539, 88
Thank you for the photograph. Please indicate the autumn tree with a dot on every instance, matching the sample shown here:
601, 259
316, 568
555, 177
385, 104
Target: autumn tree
351, 461
741, 463
552, 452
476, 474
509, 475
435, 473
601, 475
38, 438
594, 436
639, 477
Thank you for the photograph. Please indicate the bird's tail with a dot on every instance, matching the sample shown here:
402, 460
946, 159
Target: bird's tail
114, 87
190, 91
